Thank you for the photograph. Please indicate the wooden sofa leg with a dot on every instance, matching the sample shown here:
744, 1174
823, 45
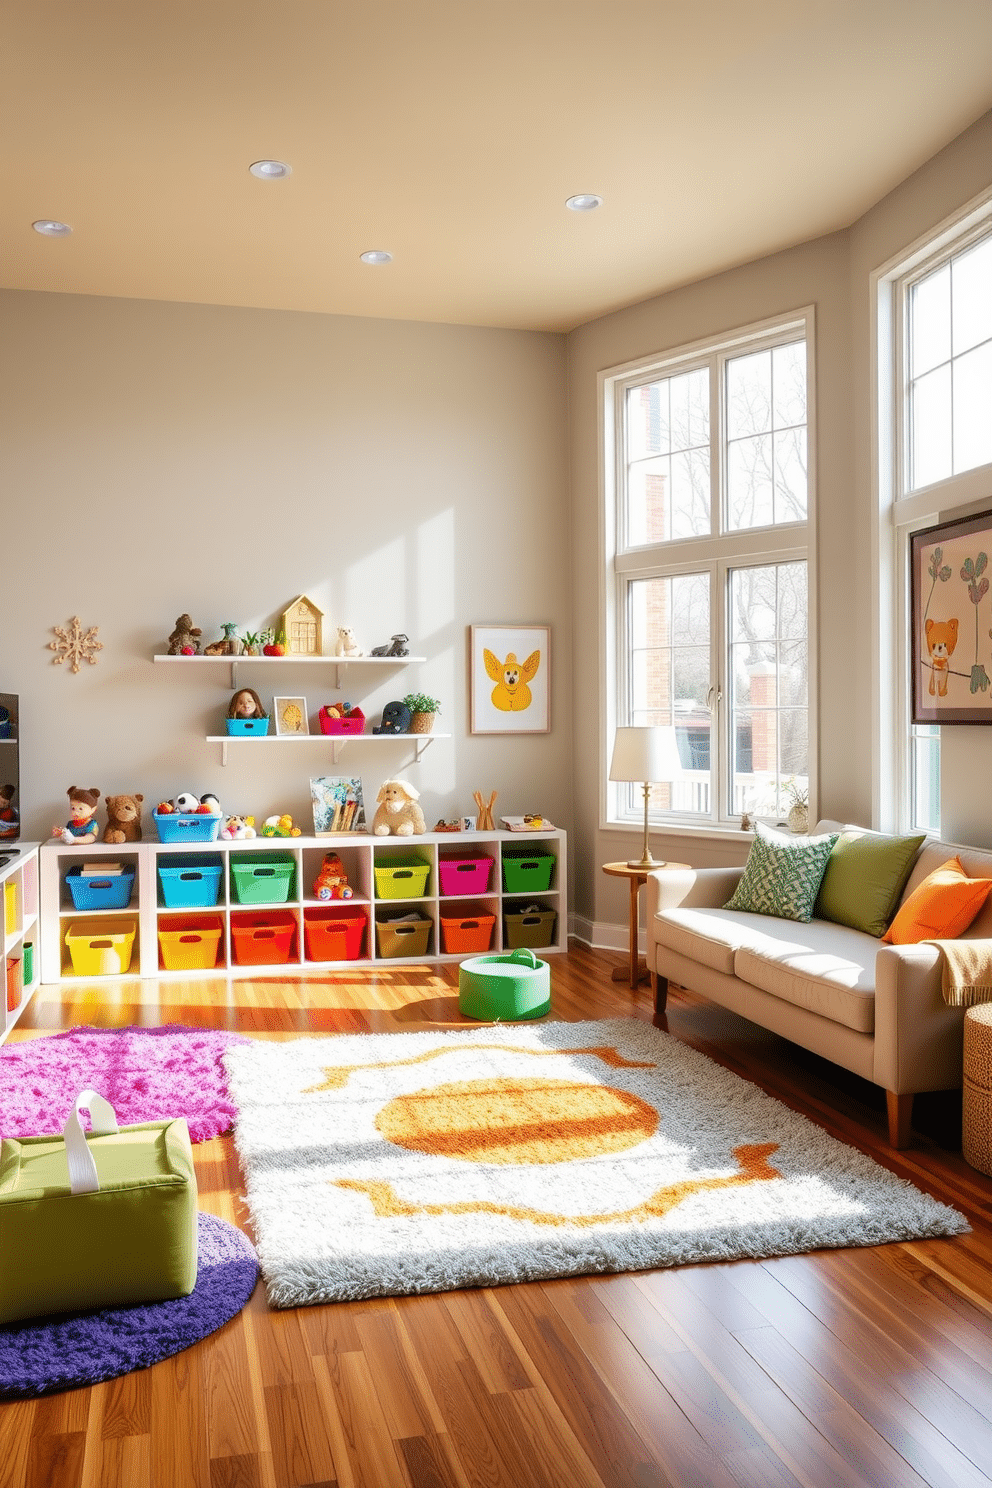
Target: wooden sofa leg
900, 1118
659, 991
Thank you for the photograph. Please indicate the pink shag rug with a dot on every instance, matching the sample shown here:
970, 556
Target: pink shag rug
147, 1074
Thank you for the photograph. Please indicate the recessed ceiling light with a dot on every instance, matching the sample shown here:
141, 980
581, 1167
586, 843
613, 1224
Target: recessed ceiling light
50, 229
376, 256
270, 170
584, 203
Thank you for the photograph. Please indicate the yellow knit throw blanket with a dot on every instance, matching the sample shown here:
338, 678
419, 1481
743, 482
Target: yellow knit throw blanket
966, 971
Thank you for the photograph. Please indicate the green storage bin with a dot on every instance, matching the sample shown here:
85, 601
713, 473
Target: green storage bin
401, 878
533, 926
403, 937
28, 963
527, 872
263, 880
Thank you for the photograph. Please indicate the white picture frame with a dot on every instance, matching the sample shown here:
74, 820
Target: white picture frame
291, 716
510, 677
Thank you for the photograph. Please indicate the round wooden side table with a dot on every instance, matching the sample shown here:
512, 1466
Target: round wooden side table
976, 1100
637, 971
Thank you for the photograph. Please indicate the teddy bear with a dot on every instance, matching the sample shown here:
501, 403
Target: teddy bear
123, 818
185, 639
237, 827
942, 637
346, 645
332, 881
397, 812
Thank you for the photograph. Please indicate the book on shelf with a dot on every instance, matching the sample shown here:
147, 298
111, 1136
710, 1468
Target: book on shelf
101, 870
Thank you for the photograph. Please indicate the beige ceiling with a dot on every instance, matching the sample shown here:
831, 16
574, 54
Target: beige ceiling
451, 132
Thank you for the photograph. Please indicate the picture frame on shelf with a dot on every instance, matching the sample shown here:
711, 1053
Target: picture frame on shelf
338, 804
291, 715
510, 676
951, 621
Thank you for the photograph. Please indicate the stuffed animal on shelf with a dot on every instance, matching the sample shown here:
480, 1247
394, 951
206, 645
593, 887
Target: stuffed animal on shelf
123, 819
237, 827
332, 881
395, 719
10, 820
83, 826
346, 645
397, 813
246, 703
397, 646
209, 805
280, 826
185, 639
187, 803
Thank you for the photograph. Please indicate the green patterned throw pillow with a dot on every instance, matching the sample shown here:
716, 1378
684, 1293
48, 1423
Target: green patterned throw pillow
782, 875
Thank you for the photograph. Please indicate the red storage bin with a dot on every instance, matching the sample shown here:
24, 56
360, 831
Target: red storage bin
264, 938
465, 875
15, 983
353, 724
467, 933
336, 933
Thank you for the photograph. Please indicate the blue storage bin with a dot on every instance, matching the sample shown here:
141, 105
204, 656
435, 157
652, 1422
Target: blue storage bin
186, 883
258, 726
179, 827
95, 892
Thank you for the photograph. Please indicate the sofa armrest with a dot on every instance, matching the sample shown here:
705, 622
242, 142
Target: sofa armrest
918, 1038
696, 888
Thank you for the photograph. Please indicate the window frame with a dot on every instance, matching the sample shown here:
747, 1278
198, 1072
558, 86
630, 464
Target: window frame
715, 553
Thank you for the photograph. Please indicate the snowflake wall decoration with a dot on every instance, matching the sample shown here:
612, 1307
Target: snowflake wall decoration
75, 645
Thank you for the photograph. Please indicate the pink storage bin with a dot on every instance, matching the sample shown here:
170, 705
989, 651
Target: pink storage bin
353, 724
465, 875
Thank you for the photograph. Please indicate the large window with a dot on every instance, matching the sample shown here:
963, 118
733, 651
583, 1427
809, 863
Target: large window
708, 506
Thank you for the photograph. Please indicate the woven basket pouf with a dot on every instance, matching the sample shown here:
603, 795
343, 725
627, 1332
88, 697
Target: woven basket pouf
504, 989
976, 1113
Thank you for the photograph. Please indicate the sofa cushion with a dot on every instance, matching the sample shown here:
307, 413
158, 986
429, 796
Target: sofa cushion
864, 878
940, 908
782, 875
825, 968
710, 936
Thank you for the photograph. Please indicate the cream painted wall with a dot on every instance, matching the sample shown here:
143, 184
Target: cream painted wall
158, 458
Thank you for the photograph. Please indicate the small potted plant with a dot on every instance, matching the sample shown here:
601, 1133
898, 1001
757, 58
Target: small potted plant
798, 796
251, 642
422, 711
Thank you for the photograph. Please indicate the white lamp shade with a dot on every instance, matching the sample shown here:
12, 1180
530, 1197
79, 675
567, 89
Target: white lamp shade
648, 754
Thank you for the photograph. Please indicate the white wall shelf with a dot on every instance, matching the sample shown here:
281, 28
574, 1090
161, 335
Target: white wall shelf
339, 663
360, 854
20, 925
337, 742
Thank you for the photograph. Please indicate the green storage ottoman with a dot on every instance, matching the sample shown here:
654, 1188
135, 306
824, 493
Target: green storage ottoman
99, 1219
504, 989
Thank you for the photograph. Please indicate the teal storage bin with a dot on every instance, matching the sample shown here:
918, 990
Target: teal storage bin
504, 988
186, 883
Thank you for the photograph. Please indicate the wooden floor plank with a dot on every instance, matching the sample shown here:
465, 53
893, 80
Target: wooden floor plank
828, 1370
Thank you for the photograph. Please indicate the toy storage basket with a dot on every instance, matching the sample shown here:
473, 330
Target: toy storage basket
334, 934
93, 892
465, 875
247, 726
403, 937
177, 826
504, 988
188, 944
186, 882
467, 934
101, 950
527, 872
15, 982
264, 938
534, 926
10, 906
401, 878
263, 880
353, 724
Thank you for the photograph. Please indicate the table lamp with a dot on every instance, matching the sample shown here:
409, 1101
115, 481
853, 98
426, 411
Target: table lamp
649, 755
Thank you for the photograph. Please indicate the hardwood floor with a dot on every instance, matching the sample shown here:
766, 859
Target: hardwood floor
864, 1366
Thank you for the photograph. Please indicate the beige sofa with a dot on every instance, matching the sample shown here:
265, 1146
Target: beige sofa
876, 1009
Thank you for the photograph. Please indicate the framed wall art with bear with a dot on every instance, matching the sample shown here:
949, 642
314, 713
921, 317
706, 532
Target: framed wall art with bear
951, 618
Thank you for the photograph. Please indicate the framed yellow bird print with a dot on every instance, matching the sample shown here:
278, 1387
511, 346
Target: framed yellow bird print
511, 679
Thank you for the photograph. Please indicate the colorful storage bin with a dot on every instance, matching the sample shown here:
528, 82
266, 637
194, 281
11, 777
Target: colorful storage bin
336, 933
465, 875
403, 937
10, 907
247, 726
533, 926
468, 933
93, 891
101, 949
266, 880
15, 982
504, 988
401, 878
186, 883
187, 944
177, 826
353, 724
527, 872
28, 963
266, 937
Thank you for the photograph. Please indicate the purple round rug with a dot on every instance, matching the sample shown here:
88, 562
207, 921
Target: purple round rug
147, 1074
82, 1348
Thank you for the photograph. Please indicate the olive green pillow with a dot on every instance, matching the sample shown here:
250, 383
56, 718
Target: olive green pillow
864, 879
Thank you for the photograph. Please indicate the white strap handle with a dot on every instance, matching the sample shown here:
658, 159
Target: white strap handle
83, 1176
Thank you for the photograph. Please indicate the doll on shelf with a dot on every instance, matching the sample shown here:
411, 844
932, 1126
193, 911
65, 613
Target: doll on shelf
246, 703
83, 826
9, 817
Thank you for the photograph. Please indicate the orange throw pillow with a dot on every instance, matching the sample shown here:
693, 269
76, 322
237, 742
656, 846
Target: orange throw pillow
941, 907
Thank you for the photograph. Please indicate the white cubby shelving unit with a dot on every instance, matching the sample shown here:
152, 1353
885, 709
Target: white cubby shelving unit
21, 928
147, 913
339, 666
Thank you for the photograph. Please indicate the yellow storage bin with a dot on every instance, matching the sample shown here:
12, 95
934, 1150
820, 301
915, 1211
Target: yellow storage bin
187, 943
10, 906
102, 949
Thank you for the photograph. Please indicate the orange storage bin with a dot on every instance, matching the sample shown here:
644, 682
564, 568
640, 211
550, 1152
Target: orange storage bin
189, 942
265, 938
15, 983
336, 933
468, 933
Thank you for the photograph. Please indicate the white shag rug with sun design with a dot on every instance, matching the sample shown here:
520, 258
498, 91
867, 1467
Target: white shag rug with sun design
386, 1164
